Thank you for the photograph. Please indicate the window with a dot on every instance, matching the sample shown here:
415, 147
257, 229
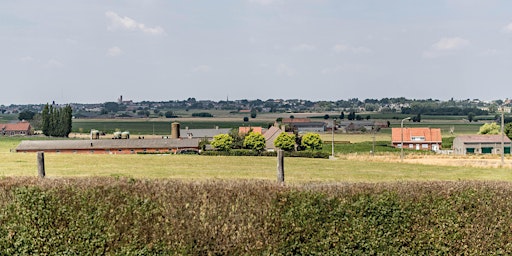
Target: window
424, 146
411, 145
418, 138
487, 150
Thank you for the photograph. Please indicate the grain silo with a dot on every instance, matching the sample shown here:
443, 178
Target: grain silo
175, 130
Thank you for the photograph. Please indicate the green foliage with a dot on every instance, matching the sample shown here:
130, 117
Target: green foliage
222, 142
56, 121
115, 216
489, 128
26, 115
111, 107
254, 141
311, 141
447, 142
202, 114
285, 141
508, 130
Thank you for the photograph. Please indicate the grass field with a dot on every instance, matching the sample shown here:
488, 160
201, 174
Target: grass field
384, 167
159, 126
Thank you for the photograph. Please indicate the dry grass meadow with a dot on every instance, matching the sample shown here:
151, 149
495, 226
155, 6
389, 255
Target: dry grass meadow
385, 167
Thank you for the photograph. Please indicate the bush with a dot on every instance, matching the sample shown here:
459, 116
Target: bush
202, 114
113, 216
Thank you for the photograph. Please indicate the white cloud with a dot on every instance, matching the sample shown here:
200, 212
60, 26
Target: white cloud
53, 63
446, 46
508, 28
126, 23
202, 69
303, 48
263, 2
114, 51
26, 59
345, 48
450, 43
342, 68
285, 70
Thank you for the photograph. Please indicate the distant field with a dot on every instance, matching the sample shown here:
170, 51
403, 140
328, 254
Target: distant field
158, 126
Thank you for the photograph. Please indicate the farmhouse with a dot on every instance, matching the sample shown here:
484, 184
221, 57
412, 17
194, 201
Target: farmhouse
20, 128
417, 138
480, 144
129, 146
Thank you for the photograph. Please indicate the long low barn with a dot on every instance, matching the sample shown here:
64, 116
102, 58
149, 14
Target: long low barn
130, 146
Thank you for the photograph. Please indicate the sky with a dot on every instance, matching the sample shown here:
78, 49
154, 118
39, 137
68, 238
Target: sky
93, 51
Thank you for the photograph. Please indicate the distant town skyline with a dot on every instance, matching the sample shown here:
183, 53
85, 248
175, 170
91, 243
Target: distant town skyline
160, 50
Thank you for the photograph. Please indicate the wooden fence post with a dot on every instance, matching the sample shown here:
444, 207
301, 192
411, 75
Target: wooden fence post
280, 166
40, 164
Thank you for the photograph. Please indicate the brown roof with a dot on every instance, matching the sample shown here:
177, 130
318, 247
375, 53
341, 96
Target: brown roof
20, 126
247, 129
430, 134
482, 139
42, 145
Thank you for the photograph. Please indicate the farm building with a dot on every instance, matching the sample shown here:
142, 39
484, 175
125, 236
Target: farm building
129, 146
20, 128
270, 136
417, 138
480, 144
302, 125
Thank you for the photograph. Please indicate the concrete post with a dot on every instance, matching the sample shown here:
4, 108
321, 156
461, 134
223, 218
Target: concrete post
280, 166
40, 164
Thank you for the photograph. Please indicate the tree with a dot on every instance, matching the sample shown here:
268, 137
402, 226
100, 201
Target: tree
489, 128
351, 116
285, 141
56, 121
508, 130
26, 115
342, 115
417, 118
169, 114
254, 141
311, 141
246, 119
222, 142
471, 117
111, 107
326, 116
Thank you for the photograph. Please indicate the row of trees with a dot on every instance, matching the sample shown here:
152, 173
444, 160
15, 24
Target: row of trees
256, 141
56, 121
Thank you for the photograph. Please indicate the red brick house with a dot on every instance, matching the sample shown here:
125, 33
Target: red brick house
417, 138
20, 128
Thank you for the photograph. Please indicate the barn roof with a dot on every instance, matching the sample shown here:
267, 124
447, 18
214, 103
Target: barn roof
482, 139
20, 126
36, 145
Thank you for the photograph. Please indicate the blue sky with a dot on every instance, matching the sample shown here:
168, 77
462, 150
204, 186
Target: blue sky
93, 51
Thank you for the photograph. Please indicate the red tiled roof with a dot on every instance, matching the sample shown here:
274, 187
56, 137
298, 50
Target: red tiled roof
430, 134
247, 129
21, 126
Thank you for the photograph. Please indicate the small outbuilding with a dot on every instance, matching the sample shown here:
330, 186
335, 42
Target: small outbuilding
480, 144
